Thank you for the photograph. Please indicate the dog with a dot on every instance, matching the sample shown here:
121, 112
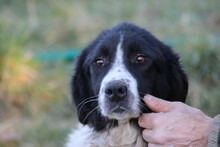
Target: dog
112, 75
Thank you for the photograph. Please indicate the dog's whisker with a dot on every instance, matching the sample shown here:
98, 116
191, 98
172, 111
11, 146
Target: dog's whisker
91, 100
89, 113
86, 100
144, 107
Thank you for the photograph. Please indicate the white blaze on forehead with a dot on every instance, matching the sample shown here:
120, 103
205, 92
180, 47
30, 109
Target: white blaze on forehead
118, 71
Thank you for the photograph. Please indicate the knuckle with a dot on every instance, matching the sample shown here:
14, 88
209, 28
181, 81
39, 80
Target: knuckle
197, 111
155, 120
160, 137
161, 104
178, 105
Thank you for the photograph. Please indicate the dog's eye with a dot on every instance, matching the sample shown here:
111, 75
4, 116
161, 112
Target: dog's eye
141, 59
99, 62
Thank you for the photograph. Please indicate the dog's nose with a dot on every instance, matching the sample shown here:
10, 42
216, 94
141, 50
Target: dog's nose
116, 91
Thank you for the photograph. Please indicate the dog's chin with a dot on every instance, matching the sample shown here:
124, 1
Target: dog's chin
121, 113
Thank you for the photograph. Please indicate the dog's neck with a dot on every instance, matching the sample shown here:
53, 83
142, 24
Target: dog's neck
123, 135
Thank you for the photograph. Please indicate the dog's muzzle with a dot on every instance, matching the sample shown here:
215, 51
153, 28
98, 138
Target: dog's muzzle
118, 101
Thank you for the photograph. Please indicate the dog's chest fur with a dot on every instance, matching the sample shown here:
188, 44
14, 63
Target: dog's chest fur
123, 135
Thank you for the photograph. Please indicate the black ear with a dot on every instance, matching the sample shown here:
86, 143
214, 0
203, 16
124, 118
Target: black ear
171, 82
82, 93
81, 87
177, 79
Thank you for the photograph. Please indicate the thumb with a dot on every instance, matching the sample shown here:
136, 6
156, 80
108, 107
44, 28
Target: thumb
157, 104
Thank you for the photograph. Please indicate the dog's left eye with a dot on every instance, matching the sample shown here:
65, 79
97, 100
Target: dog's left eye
141, 59
99, 62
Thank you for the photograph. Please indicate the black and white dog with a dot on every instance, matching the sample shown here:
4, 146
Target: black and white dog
112, 75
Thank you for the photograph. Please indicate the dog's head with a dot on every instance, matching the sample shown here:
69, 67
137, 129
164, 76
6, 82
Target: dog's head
117, 69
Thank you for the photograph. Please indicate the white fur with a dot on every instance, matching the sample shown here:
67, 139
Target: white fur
123, 135
119, 72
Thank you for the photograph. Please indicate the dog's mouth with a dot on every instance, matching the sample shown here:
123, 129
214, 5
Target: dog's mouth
124, 109
119, 109
122, 113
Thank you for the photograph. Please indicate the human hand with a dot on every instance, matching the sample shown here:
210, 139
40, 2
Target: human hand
174, 124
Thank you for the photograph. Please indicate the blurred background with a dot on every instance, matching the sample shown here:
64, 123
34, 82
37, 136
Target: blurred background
39, 40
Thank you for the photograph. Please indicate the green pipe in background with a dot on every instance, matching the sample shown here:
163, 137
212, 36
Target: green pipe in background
56, 55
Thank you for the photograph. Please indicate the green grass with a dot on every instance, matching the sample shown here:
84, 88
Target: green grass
34, 96
50, 129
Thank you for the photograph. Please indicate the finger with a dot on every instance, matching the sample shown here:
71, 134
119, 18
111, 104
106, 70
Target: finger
154, 145
146, 120
158, 145
148, 135
152, 136
157, 104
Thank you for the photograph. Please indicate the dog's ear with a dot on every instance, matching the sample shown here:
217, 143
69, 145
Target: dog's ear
171, 82
177, 79
81, 87
82, 93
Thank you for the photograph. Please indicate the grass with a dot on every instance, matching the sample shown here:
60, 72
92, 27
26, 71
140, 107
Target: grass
35, 104
35, 108
50, 129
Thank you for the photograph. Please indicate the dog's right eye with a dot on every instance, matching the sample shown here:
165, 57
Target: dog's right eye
99, 62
